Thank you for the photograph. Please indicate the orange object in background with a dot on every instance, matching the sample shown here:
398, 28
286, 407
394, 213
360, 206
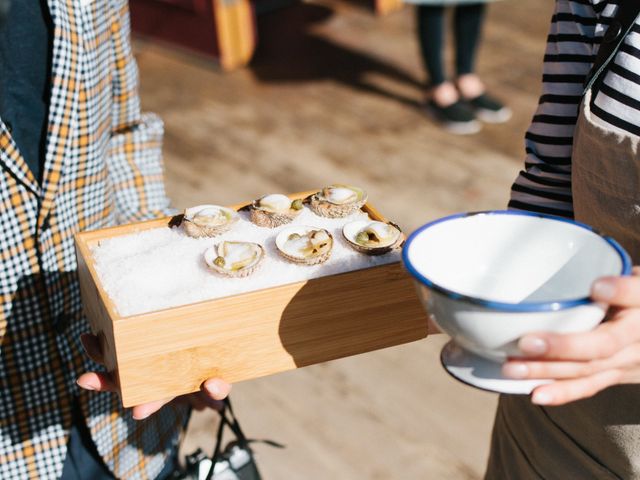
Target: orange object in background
223, 29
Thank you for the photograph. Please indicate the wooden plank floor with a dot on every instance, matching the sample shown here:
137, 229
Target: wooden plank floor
333, 95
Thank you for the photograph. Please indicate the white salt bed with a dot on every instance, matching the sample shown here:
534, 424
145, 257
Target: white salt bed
163, 267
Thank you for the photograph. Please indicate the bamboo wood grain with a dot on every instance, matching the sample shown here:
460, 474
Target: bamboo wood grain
170, 352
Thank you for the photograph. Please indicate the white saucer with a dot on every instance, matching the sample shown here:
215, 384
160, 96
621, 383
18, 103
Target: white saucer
481, 373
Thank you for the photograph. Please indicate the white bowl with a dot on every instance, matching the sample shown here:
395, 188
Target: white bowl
487, 278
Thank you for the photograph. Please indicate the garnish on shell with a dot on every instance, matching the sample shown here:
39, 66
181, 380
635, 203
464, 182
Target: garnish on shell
274, 210
234, 259
372, 237
208, 220
305, 245
337, 201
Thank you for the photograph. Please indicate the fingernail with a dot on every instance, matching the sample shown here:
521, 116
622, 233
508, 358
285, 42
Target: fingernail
86, 386
603, 290
213, 388
140, 416
541, 398
515, 370
533, 345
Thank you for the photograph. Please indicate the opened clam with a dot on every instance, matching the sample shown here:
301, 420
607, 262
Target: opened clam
274, 210
208, 220
305, 245
234, 259
337, 201
373, 237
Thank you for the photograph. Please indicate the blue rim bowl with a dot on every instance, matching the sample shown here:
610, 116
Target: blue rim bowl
505, 306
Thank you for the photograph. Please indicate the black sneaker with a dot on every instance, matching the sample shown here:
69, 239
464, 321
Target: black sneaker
456, 118
490, 110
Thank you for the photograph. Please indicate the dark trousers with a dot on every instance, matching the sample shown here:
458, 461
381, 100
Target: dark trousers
83, 461
467, 21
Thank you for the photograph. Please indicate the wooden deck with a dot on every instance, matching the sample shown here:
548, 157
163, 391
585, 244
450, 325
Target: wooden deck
333, 95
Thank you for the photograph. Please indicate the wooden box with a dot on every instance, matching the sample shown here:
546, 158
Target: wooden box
171, 352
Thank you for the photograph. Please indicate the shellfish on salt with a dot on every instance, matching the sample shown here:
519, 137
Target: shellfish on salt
274, 210
234, 259
305, 245
208, 220
373, 237
337, 201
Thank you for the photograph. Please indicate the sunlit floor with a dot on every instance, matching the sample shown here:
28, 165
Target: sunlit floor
334, 95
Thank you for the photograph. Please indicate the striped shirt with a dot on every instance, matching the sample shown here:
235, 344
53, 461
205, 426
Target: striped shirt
577, 28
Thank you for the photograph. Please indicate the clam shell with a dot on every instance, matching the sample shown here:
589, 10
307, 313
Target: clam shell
283, 236
196, 230
265, 218
351, 229
324, 208
212, 253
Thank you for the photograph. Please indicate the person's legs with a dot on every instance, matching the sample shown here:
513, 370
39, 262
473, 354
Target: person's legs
430, 21
468, 20
444, 101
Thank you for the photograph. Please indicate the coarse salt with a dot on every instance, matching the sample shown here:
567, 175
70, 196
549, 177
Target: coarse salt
162, 268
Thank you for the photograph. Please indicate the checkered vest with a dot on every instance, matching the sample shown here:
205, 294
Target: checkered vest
103, 166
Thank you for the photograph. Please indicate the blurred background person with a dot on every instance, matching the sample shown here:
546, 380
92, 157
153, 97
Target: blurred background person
460, 103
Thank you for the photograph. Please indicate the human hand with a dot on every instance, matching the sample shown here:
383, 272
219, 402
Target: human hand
211, 394
582, 364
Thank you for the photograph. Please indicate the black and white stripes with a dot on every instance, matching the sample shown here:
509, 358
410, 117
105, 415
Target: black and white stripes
577, 28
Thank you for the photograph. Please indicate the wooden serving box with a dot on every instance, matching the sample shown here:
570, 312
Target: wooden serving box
171, 352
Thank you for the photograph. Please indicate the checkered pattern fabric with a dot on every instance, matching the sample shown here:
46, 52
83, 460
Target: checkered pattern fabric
103, 166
